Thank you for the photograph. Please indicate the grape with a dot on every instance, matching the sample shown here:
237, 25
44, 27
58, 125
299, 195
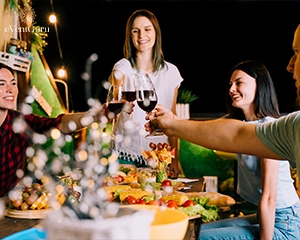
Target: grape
165, 145
152, 145
25, 195
37, 186
32, 198
17, 203
24, 206
160, 146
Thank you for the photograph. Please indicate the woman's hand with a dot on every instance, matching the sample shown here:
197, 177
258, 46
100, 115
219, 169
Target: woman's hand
128, 107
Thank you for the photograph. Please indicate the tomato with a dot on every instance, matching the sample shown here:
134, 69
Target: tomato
144, 197
166, 183
111, 196
130, 200
152, 202
141, 201
118, 178
172, 204
161, 202
189, 203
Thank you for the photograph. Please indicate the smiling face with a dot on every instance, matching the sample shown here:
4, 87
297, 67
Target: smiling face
242, 91
8, 89
294, 64
143, 34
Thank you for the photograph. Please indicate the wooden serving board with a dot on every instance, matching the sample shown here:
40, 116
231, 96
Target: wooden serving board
28, 214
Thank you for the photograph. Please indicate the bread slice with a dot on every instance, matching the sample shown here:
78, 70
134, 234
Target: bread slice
215, 198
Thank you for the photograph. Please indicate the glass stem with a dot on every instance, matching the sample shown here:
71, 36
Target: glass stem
112, 141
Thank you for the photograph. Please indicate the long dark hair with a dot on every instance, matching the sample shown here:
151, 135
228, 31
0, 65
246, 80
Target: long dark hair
2, 65
130, 50
265, 100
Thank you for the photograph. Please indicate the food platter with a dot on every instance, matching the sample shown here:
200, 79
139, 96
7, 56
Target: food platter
28, 214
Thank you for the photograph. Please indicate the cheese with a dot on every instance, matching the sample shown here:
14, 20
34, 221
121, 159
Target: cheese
114, 188
178, 198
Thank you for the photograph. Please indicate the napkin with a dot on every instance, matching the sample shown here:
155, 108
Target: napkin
187, 180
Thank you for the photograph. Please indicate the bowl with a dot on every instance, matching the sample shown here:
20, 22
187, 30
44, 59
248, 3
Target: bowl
168, 223
128, 223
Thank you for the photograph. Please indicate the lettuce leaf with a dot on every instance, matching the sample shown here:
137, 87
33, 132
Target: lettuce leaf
207, 215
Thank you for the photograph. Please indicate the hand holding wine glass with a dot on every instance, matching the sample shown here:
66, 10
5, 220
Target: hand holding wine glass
146, 98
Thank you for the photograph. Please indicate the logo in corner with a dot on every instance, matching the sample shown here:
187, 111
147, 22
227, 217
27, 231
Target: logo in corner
27, 15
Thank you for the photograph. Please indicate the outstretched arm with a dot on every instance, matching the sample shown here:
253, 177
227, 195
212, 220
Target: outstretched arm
72, 122
221, 134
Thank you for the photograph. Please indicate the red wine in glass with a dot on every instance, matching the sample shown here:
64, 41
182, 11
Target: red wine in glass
146, 98
146, 101
115, 107
147, 105
130, 96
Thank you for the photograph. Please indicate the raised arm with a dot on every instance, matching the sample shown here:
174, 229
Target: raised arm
72, 122
221, 134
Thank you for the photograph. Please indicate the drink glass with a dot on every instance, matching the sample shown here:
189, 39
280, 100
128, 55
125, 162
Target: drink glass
146, 98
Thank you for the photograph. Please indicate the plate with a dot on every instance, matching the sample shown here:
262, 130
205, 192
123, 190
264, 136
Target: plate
31, 233
28, 214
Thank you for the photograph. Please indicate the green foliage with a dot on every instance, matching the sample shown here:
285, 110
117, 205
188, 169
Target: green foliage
13, 5
38, 38
186, 96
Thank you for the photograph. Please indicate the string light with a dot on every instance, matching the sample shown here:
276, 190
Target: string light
62, 74
52, 18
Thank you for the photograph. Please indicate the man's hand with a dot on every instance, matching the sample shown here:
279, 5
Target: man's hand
163, 117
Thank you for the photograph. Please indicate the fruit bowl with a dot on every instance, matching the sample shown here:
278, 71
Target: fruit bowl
168, 223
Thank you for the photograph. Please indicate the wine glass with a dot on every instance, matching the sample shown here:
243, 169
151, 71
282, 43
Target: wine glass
146, 98
128, 92
115, 103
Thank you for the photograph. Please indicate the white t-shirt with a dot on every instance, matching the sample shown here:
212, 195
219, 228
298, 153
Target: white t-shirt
249, 178
132, 140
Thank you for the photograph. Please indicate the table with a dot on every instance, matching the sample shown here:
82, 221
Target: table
13, 225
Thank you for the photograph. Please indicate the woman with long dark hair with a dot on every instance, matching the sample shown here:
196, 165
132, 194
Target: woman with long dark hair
266, 183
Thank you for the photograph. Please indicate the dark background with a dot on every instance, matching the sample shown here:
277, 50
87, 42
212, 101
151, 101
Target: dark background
204, 39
